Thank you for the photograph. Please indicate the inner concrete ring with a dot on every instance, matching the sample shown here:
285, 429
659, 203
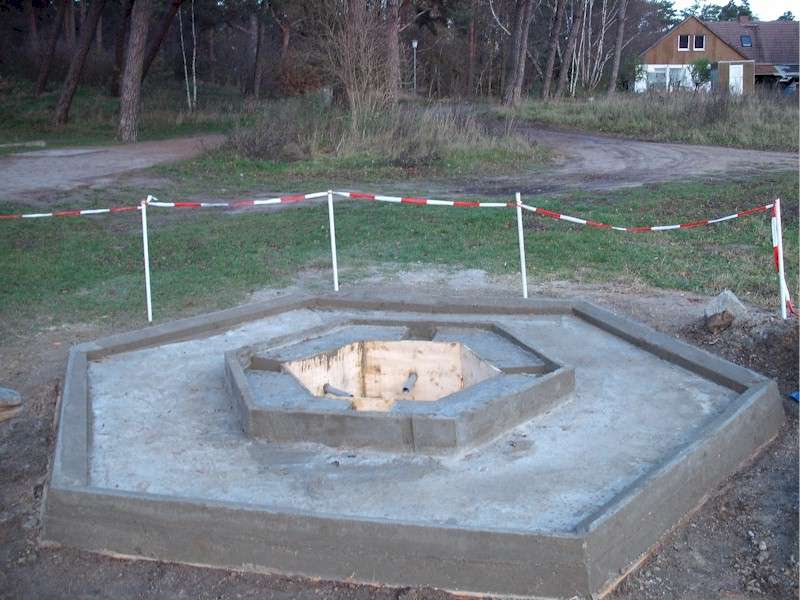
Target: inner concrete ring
151, 461
480, 390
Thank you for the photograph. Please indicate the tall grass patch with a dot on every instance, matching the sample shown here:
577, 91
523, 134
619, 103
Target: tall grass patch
765, 120
400, 137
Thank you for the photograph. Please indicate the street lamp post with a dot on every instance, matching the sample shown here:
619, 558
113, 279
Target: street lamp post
414, 46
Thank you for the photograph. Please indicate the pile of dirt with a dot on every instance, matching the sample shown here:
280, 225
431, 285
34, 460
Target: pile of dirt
766, 345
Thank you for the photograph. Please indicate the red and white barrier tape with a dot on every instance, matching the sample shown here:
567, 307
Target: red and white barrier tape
75, 213
776, 254
691, 225
238, 203
423, 201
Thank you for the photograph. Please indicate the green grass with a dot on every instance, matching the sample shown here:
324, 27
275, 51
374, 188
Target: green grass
94, 115
763, 121
90, 269
226, 171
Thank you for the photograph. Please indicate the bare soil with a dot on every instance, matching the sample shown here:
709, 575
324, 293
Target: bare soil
27, 174
588, 161
742, 544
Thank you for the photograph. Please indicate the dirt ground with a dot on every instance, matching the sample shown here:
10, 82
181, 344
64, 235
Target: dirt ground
584, 161
742, 544
65, 169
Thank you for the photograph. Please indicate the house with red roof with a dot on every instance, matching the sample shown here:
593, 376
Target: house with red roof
741, 53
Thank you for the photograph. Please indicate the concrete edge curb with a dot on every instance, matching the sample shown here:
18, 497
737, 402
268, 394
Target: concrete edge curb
315, 546
71, 463
698, 361
632, 523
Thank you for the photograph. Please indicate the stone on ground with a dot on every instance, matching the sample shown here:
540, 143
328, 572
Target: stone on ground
723, 310
10, 403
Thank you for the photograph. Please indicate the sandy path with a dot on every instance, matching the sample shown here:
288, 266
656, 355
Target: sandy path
596, 162
65, 169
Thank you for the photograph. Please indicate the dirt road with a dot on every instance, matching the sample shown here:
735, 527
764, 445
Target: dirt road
587, 161
584, 161
97, 166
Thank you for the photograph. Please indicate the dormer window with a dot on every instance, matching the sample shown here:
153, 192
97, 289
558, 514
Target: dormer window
699, 42
683, 43
747, 41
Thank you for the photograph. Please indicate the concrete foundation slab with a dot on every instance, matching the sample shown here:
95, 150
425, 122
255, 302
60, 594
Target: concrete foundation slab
151, 459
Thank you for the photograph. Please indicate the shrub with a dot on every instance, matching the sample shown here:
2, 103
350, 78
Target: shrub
700, 71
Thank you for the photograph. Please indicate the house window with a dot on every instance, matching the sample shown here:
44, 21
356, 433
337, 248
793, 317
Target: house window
747, 41
657, 79
677, 78
683, 43
699, 42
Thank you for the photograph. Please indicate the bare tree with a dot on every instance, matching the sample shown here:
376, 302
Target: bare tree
517, 52
47, 58
69, 25
119, 46
130, 98
471, 49
393, 48
552, 46
33, 28
194, 62
189, 103
258, 67
77, 62
612, 81
569, 52
350, 42
160, 35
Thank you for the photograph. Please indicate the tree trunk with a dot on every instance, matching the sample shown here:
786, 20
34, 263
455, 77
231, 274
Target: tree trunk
393, 48
33, 29
286, 35
612, 82
119, 47
252, 55
572, 40
160, 35
471, 50
552, 46
47, 59
512, 54
77, 62
515, 60
132, 75
99, 34
69, 25
210, 34
520, 75
261, 51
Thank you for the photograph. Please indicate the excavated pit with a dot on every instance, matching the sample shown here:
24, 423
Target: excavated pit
374, 374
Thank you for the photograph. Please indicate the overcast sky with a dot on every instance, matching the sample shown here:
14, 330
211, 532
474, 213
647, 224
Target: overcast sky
766, 10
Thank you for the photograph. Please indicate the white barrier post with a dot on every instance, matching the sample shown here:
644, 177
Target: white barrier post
778, 234
522, 264
146, 247
332, 227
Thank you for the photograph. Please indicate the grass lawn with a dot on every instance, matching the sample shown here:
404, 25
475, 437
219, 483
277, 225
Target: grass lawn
90, 269
763, 121
224, 170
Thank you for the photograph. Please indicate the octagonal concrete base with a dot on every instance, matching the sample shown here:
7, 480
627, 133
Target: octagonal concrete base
151, 459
